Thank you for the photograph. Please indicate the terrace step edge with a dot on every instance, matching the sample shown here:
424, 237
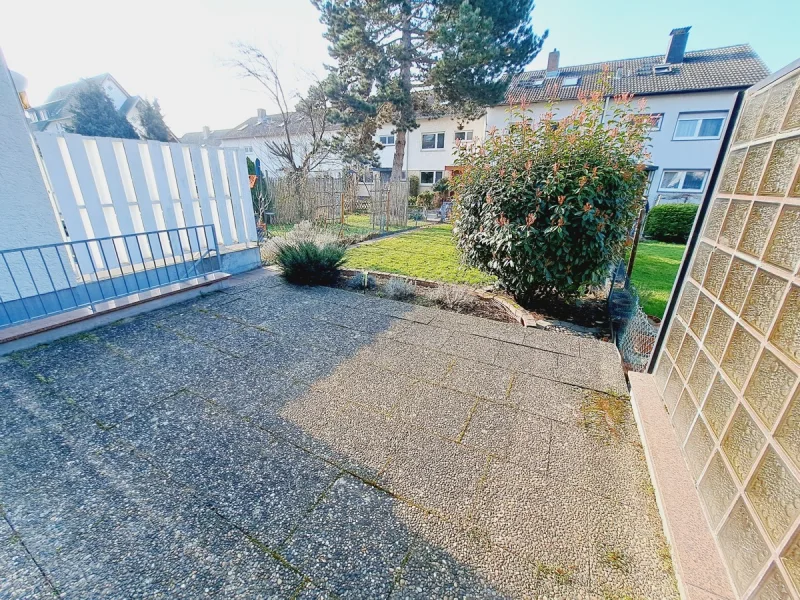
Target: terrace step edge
698, 564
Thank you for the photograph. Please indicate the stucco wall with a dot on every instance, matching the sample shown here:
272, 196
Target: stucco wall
27, 217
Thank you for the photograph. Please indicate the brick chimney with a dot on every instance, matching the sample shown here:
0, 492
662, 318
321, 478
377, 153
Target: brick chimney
552, 63
261, 114
677, 45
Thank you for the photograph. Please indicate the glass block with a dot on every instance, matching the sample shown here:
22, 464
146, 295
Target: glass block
717, 269
788, 433
684, 415
769, 388
740, 356
686, 355
786, 332
702, 374
673, 390
749, 119
719, 405
675, 338
698, 448
717, 489
792, 120
688, 298
794, 191
780, 167
700, 262
714, 219
744, 549
757, 228
763, 300
784, 247
742, 443
773, 587
731, 173
791, 560
662, 372
751, 170
717, 334
775, 495
701, 314
737, 283
775, 107
734, 223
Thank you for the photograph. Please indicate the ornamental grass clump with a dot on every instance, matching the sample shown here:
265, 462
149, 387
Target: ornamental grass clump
307, 256
546, 206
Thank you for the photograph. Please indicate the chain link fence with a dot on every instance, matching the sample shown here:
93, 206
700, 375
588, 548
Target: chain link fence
634, 333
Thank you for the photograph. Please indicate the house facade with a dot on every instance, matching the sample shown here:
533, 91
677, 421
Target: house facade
689, 94
55, 115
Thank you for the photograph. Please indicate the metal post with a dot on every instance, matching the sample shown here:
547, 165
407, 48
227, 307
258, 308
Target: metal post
67, 277
16, 286
33, 281
50, 277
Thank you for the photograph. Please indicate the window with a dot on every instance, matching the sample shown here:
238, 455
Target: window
463, 136
570, 81
683, 181
656, 120
386, 140
432, 141
699, 126
430, 177
248, 148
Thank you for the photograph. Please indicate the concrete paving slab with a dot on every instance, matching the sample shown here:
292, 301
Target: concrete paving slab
274, 441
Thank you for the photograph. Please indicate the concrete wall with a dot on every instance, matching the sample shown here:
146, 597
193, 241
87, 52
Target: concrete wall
729, 372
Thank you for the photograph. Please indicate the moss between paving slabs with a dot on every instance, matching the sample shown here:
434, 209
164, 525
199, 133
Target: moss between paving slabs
428, 253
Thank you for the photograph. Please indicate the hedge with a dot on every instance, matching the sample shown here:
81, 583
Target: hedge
670, 222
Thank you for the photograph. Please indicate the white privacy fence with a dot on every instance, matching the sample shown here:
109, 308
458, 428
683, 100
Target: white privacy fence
109, 187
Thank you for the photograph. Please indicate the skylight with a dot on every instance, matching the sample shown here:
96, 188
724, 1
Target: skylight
570, 81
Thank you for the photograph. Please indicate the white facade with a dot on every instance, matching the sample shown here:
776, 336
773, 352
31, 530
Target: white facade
671, 152
256, 148
431, 148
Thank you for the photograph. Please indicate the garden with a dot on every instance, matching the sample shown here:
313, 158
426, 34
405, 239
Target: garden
542, 213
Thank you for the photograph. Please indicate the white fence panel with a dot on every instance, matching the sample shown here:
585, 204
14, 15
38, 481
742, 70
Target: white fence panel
106, 186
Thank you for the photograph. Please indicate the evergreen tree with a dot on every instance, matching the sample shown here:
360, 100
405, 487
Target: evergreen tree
153, 121
94, 114
395, 58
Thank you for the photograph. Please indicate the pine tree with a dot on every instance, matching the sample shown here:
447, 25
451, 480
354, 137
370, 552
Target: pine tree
153, 121
94, 114
396, 57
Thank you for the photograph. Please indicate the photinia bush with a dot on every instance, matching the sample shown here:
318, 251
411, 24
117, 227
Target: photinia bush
545, 206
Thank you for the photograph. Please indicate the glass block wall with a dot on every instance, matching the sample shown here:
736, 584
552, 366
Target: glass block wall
729, 368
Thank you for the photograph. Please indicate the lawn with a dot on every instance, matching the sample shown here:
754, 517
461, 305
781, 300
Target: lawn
654, 273
355, 225
427, 253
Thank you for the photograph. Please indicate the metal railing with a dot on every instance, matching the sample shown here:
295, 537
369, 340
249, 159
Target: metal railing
39, 281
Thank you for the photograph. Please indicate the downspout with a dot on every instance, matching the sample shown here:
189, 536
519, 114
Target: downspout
694, 236
605, 109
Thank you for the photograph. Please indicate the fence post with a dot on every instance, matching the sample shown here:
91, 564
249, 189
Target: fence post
388, 205
341, 214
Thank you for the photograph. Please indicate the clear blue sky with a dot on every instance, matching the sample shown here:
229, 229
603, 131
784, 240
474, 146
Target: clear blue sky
176, 50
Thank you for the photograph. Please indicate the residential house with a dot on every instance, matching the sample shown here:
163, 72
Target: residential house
55, 115
689, 94
206, 137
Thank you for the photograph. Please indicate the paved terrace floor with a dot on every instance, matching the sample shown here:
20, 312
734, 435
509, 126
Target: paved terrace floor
271, 441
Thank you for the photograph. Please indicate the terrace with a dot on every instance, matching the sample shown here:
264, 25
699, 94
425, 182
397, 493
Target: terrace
274, 441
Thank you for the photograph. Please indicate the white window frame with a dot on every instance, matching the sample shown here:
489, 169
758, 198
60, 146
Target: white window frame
436, 139
680, 188
659, 118
700, 117
437, 176
467, 139
248, 149
384, 139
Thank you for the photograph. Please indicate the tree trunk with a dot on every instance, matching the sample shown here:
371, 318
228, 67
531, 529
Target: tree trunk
407, 110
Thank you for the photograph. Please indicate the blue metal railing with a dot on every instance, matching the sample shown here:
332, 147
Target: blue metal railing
39, 281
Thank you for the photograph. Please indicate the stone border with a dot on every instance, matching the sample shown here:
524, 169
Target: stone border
522, 316
699, 569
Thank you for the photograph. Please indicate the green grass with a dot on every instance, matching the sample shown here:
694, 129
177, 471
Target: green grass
427, 253
359, 225
654, 273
